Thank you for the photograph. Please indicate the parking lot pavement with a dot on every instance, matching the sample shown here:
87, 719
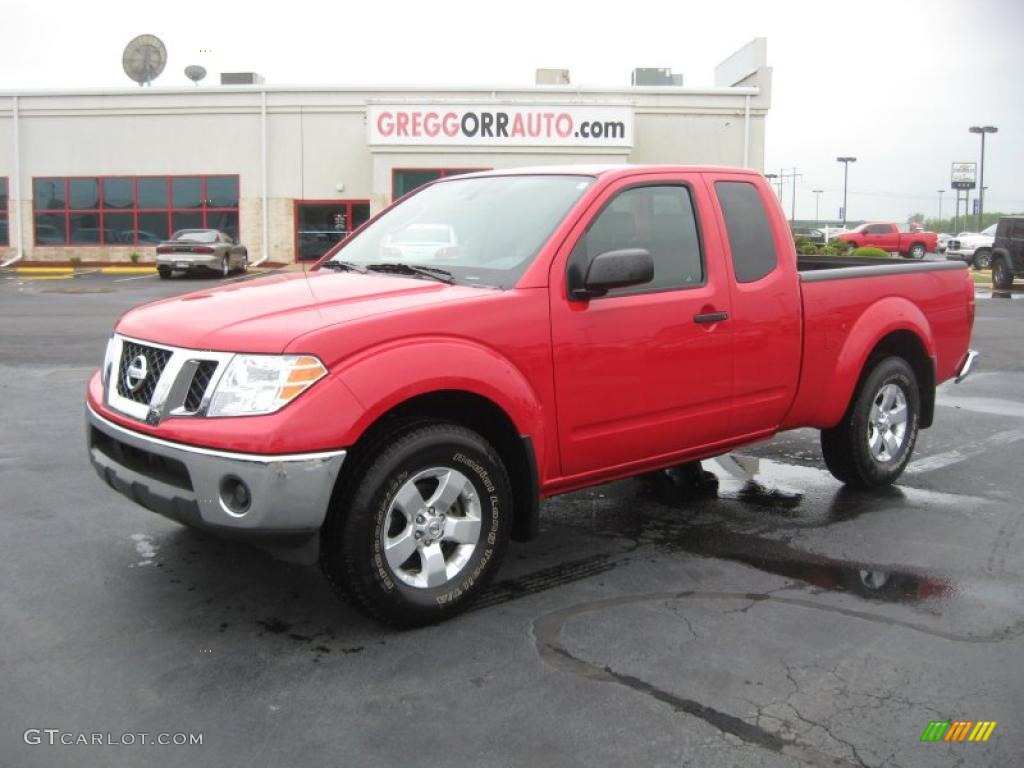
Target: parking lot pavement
782, 621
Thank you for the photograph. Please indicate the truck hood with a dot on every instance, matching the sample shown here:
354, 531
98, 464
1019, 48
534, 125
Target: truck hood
265, 314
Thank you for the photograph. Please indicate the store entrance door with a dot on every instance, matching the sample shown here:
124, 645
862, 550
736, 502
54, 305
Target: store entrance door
321, 224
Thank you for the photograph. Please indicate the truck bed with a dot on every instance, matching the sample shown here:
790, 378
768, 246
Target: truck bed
815, 268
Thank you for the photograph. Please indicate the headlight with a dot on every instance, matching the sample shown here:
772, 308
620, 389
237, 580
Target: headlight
108, 361
259, 384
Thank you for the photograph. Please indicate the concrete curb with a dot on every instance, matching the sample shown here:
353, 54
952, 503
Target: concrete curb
127, 270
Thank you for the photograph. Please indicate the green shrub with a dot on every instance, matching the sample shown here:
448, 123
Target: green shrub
839, 247
134, 257
808, 249
76, 261
801, 241
871, 253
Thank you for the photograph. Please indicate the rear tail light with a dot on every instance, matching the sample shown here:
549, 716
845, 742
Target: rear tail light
450, 252
390, 252
163, 249
202, 249
970, 302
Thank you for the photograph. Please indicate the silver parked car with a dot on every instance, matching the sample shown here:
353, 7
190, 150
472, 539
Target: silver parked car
189, 250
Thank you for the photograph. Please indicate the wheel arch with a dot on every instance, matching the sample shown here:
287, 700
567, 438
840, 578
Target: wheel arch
473, 411
906, 334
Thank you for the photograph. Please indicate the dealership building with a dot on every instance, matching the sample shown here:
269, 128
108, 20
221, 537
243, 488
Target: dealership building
102, 175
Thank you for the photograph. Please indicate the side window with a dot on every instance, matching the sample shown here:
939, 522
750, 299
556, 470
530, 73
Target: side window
879, 229
659, 219
750, 234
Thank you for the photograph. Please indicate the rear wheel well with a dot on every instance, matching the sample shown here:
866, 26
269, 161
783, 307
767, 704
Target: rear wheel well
907, 345
474, 412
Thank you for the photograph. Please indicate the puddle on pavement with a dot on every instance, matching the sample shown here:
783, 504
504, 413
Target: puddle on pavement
731, 514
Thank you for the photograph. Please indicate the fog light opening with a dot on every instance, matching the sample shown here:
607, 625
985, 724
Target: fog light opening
235, 496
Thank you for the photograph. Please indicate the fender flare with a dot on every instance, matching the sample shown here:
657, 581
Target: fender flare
882, 318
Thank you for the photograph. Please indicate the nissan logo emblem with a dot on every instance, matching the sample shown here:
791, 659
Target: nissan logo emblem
135, 376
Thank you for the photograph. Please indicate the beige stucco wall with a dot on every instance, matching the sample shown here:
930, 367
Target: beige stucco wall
317, 143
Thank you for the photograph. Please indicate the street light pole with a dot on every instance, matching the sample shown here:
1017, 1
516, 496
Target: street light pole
982, 129
771, 177
941, 191
817, 199
846, 172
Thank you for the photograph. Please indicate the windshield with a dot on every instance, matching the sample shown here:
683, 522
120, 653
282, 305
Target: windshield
483, 231
989, 231
195, 235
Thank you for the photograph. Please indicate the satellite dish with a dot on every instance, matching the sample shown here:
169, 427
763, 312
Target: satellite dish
144, 59
195, 73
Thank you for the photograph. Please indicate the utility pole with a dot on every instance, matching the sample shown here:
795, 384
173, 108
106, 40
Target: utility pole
792, 176
817, 199
982, 129
846, 173
941, 191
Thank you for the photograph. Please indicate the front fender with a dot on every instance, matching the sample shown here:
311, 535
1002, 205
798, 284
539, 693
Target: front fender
385, 376
883, 317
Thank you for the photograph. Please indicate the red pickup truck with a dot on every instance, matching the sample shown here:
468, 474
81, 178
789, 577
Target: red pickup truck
401, 417
888, 237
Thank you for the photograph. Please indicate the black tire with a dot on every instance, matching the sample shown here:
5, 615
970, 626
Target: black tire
164, 273
982, 258
354, 546
245, 263
917, 251
225, 267
1002, 277
847, 447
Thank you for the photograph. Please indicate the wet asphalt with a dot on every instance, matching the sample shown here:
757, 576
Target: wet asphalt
779, 619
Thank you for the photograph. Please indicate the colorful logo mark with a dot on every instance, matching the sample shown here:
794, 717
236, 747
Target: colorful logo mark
958, 730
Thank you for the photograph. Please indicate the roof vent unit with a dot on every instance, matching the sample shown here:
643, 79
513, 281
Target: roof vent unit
656, 76
552, 77
240, 78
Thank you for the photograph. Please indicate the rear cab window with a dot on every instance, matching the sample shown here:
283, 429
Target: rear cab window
751, 239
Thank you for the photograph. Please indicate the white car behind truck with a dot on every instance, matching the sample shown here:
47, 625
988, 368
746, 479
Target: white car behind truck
973, 247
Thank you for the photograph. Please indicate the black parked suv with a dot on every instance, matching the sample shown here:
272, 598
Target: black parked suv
1008, 251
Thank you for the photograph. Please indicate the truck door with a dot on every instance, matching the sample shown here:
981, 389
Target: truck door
643, 371
884, 236
766, 305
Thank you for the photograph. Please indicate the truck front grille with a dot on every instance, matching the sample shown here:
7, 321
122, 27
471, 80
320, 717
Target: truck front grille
155, 382
146, 364
200, 382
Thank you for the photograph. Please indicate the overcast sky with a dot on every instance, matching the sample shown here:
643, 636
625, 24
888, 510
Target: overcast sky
896, 84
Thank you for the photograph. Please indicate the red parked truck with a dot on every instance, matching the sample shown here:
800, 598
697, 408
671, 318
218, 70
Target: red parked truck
888, 237
403, 419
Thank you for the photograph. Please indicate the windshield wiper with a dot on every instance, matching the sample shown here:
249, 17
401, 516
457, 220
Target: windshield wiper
345, 266
434, 273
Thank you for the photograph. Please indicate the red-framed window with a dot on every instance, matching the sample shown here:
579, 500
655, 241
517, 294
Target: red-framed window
131, 210
5, 236
322, 224
405, 180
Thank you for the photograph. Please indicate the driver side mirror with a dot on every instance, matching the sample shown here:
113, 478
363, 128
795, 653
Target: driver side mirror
614, 269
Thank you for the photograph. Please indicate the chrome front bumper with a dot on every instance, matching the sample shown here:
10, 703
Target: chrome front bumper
967, 367
288, 494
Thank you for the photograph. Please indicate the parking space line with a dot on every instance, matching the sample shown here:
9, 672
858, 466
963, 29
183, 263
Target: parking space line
135, 277
964, 452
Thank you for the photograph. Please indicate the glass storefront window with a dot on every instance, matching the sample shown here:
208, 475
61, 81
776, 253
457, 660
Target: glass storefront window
118, 193
322, 224
187, 192
127, 210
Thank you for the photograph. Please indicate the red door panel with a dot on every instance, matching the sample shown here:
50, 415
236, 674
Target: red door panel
635, 376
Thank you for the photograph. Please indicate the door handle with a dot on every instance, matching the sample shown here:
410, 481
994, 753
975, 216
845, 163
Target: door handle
710, 317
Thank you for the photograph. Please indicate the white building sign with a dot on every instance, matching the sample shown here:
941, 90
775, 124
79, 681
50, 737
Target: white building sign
499, 125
